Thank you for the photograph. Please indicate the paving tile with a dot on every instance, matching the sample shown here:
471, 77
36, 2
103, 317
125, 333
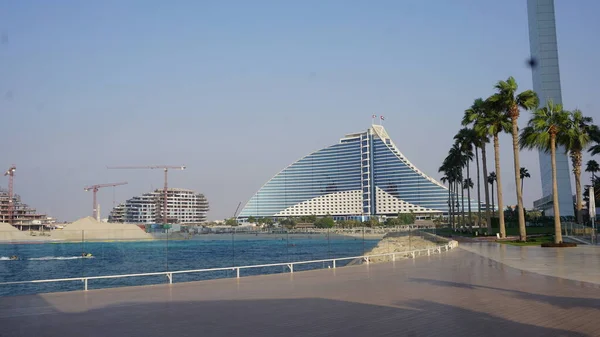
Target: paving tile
458, 293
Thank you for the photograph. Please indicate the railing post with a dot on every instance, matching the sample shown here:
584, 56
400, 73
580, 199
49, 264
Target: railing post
238, 272
428, 252
85, 284
170, 277
393, 257
291, 266
333, 264
412, 254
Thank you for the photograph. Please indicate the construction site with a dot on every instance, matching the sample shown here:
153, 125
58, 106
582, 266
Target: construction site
19, 213
183, 206
127, 221
13, 211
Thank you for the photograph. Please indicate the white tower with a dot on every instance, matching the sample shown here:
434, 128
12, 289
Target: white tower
546, 82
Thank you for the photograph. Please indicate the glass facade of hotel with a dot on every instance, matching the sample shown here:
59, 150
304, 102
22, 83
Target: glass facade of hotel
363, 175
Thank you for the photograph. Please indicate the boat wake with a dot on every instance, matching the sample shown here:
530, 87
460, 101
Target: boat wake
45, 258
4, 258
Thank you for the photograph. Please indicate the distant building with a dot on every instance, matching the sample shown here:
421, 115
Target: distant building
546, 83
364, 175
183, 206
23, 215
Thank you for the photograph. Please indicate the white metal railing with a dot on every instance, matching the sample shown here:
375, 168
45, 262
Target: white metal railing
289, 265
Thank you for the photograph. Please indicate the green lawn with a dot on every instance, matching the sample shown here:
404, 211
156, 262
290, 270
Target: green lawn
530, 241
509, 231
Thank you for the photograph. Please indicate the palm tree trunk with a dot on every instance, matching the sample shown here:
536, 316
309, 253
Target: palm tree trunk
522, 180
576, 160
557, 229
521, 214
493, 204
469, 198
488, 217
499, 186
451, 186
450, 204
462, 201
478, 189
456, 205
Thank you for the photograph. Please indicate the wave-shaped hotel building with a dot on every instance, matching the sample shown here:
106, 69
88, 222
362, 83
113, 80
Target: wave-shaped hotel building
362, 176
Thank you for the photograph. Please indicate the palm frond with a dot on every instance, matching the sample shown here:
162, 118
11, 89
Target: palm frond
528, 100
544, 122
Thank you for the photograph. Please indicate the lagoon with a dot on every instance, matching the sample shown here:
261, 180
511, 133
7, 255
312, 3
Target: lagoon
64, 260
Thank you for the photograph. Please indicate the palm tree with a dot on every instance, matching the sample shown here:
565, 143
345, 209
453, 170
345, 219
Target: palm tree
492, 123
546, 126
456, 161
577, 138
465, 138
468, 185
445, 179
594, 150
523, 173
592, 167
508, 101
452, 167
491, 179
447, 169
471, 116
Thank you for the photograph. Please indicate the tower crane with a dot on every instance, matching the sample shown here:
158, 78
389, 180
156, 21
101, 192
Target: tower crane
11, 174
94, 189
165, 168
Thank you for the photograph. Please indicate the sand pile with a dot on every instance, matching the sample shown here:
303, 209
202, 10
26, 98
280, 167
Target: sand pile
5, 227
89, 229
10, 233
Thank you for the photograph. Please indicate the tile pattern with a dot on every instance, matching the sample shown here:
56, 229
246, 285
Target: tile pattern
457, 293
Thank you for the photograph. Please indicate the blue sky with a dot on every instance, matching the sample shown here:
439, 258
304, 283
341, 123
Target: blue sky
237, 90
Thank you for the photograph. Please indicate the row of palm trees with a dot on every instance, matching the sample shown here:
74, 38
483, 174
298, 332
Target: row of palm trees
491, 179
548, 128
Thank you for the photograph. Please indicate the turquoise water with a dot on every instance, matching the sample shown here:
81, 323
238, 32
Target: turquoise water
63, 260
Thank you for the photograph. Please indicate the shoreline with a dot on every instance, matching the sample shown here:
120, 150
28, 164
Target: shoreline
211, 236
400, 242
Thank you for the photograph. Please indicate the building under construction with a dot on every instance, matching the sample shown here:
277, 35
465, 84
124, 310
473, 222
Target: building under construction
22, 214
183, 206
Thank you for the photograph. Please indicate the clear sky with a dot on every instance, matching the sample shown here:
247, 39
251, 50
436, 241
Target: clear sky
237, 90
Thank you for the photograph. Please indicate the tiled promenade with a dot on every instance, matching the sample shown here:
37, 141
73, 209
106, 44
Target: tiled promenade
458, 293
579, 264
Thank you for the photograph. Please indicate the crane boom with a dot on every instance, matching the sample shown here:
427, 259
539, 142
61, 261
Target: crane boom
152, 167
94, 189
103, 185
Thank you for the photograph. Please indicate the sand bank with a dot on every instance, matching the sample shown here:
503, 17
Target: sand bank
8, 234
87, 229
401, 242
